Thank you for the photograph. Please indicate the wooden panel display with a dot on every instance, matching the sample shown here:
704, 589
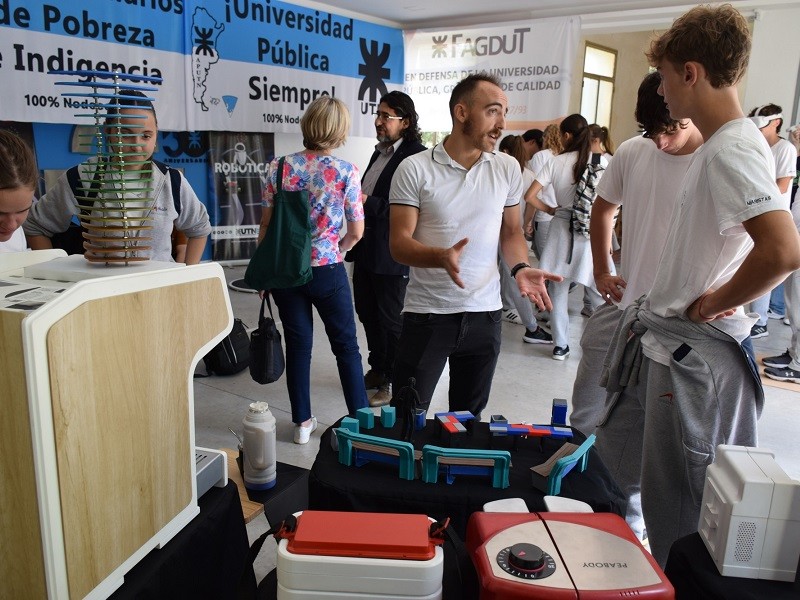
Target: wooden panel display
21, 557
119, 379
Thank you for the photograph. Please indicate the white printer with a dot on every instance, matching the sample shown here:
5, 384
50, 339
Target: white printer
750, 516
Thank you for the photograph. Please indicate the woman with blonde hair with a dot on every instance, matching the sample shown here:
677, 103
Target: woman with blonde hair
334, 193
552, 139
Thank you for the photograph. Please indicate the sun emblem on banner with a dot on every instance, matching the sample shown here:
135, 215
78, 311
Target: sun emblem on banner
439, 46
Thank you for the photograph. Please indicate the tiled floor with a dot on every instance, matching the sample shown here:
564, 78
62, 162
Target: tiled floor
525, 382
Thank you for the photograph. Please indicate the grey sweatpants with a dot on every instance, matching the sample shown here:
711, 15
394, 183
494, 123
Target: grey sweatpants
682, 428
512, 299
541, 229
588, 398
620, 436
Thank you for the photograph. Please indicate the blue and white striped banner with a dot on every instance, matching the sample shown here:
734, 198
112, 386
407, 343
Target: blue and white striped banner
238, 65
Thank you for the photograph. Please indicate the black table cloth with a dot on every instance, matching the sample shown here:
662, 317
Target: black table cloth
376, 487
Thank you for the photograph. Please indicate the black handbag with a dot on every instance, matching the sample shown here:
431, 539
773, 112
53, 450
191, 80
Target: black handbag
283, 258
232, 354
266, 354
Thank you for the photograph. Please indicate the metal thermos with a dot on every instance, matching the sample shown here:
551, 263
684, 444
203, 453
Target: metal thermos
259, 447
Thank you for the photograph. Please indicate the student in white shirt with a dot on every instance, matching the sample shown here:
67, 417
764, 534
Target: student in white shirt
566, 253
769, 119
18, 177
731, 239
644, 178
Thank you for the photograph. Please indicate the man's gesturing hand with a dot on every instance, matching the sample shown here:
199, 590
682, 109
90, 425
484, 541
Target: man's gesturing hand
531, 284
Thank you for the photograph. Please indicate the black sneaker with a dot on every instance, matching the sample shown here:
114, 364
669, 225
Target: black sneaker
759, 331
777, 362
540, 336
560, 353
783, 374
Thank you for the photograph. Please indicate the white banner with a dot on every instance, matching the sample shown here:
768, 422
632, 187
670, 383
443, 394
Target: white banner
38, 97
533, 59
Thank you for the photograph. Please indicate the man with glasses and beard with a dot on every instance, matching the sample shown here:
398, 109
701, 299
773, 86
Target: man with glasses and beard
379, 283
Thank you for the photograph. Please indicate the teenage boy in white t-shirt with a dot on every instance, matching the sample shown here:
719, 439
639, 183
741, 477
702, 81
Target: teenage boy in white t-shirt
769, 119
786, 366
731, 239
644, 178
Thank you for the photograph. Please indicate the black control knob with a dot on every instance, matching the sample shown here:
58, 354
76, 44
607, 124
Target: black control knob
526, 558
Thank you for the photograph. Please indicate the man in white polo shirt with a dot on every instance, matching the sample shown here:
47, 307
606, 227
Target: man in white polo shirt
450, 206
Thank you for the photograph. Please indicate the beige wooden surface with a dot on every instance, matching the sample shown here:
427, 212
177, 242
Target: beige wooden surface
119, 374
250, 508
21, 557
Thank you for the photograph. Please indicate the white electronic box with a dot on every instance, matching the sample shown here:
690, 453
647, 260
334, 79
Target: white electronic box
750, 516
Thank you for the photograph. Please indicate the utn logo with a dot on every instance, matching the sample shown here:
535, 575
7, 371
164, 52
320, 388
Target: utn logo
375, 74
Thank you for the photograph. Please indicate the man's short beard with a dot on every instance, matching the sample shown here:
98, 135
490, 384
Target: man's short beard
385, 139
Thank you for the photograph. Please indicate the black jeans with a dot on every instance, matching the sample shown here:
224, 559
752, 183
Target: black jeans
469, 341
379, 304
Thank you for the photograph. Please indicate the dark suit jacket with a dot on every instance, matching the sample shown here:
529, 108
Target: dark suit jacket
372, 251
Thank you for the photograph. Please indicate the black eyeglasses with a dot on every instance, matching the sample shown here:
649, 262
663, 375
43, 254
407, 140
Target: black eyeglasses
384, 116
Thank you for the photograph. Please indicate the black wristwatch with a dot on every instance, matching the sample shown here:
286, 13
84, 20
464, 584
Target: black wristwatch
517, 267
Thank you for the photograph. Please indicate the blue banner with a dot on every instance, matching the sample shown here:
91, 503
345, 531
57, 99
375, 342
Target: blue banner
242, 65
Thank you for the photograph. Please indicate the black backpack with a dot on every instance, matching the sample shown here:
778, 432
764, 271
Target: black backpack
232, 354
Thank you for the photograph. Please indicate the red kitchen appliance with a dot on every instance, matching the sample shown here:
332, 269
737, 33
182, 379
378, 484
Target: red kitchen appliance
560, 556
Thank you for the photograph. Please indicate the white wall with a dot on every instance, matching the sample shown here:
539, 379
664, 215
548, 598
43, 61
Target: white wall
357, 150
774, 62
632, 66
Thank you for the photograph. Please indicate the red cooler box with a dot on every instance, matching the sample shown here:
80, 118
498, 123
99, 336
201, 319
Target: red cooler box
342, 556
562, 556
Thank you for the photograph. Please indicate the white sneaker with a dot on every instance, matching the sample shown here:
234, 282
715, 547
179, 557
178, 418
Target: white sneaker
786, 321
512, 316
303, 434
774, 315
